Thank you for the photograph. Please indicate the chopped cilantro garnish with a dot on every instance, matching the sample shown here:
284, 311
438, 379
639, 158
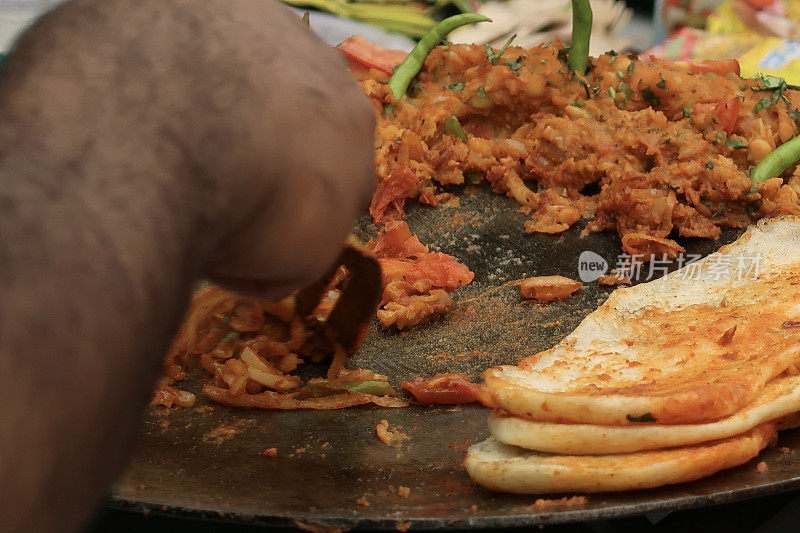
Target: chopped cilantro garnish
764, 103
709, 165
493, 56
687, 112
630, 68
482, 92
515, 65
620, 75
769, 83
736, 144
650, 98
578, 103
612, 60
662, 84
230, 336
456, 86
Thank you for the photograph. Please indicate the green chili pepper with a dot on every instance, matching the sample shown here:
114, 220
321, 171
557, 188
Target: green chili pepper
453, 126
777, 161
581, 33
411, 65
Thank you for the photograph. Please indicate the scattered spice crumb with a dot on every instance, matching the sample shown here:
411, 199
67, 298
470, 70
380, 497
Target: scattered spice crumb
299, 450
402, 527
203, 409
362, 502
403, 492
460, 447
473, 508
762, 467
270, 452
164, 424
391, 437
611, 280
225, 432
325, 445
784, 449
545, 504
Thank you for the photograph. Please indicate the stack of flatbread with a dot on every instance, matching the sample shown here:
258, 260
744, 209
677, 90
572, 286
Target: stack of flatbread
666, 382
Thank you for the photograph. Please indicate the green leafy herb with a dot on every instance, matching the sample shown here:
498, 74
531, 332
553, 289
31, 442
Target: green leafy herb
769, 83
515, 65
764, 103
649, 97
563, 54
620, 75
456, 86
578, 103
646, 417
482, 92
709, 165
687, 112
453, 127
613, 92
612, 60
230, 336
542, 61
630, 68
493, 56
736, 144
662, 84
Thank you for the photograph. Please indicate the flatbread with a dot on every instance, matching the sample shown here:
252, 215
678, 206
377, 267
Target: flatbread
780, 397
505, 468
665, 351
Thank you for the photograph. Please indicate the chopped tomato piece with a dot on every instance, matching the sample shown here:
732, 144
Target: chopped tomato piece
358, 49
728, 113
443, 389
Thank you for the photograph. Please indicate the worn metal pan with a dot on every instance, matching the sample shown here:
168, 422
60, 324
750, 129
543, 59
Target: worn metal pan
209, 463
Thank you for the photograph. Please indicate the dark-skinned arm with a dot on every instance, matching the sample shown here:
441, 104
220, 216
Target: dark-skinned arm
144, 144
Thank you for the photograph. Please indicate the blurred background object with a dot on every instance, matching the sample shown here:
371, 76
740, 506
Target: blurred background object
536, 23
764, 35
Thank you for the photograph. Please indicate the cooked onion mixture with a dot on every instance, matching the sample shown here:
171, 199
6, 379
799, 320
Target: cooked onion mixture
651, 150
250, 347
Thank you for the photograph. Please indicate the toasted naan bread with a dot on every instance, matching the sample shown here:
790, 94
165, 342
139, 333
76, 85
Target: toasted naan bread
666, 351
501, 467
781, 397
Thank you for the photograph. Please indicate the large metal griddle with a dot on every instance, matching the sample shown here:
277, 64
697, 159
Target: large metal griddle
179, 468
